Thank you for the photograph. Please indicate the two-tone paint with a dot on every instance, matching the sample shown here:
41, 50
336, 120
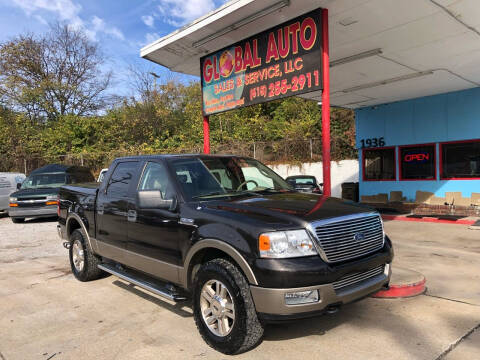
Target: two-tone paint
170, 245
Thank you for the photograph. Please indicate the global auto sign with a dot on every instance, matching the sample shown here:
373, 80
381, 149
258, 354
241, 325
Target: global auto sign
280, 62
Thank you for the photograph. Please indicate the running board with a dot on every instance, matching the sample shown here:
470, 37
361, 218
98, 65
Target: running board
142, 282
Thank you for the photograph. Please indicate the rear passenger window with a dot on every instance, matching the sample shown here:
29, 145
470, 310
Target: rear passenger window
121, 178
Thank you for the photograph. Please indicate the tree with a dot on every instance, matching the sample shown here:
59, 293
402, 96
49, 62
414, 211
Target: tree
58, 73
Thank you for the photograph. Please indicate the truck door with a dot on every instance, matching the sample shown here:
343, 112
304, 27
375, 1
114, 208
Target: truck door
153, 234
113, 201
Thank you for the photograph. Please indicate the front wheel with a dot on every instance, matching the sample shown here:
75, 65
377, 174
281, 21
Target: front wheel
223, 308
17, 220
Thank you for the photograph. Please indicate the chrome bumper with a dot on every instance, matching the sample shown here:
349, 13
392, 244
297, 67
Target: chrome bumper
272, 301
45, 211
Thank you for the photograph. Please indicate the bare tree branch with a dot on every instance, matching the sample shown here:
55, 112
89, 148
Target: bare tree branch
56, 74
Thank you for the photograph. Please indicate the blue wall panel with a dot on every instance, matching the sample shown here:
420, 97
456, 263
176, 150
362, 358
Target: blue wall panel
446, 117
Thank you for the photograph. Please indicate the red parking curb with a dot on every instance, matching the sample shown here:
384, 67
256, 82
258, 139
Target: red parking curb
399, 291
428, 219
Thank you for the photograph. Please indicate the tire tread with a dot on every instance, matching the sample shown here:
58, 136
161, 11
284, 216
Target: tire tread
253, 332
90, 271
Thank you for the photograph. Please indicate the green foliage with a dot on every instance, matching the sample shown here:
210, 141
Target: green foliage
170, 120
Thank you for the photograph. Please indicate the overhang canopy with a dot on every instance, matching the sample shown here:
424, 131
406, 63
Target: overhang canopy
380, 50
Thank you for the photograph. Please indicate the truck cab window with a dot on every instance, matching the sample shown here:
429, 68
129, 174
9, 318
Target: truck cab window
121, 178
206, 177
155, 178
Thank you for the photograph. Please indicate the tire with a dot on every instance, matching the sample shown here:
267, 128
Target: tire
17, 220
245, 331
88, 270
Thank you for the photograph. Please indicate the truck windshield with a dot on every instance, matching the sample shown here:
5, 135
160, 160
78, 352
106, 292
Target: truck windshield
44, 181
211, 177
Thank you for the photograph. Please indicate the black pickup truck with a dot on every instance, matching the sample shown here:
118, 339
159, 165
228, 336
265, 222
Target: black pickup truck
229, 234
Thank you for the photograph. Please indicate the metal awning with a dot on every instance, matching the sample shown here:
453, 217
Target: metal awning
380, 50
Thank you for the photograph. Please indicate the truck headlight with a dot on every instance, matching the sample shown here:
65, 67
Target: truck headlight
52, 197
286, 244
12, 202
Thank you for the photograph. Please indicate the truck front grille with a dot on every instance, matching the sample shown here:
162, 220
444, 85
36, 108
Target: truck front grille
31, 202
351, 238
356, 278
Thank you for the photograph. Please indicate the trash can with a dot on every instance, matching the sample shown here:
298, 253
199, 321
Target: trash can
350, 191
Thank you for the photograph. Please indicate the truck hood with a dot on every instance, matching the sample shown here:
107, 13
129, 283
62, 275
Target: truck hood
34, 193
289, 209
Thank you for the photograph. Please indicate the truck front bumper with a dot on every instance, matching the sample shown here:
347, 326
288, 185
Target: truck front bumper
30, 212
271, 305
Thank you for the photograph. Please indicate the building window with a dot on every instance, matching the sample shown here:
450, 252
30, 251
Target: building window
379, 164
418, 162
460, 160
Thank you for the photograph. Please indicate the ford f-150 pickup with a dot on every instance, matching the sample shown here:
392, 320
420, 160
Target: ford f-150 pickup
230, 235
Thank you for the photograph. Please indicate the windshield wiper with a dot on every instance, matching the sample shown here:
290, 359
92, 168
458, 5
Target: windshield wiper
271, 190
218, 193
209, 194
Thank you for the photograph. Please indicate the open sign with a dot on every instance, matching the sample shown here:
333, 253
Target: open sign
417, 157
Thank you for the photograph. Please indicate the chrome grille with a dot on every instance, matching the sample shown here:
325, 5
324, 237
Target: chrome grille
350, 238
353, 279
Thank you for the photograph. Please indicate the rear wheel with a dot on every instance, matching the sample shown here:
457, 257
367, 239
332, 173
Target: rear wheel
17, 220
223, 308
83, 262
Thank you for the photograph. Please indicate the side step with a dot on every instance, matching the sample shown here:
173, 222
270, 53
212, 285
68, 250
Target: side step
164, 290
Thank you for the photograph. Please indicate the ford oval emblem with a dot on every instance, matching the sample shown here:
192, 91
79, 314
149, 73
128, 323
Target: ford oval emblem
359, 237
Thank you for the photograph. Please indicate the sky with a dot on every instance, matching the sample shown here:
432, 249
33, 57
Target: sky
121, 27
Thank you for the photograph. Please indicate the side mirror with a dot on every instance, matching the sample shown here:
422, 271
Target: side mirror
19, 185
152, 199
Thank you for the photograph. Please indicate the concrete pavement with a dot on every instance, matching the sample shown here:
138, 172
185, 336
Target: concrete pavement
45, 312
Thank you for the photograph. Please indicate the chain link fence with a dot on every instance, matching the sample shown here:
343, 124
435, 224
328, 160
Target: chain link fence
309, 150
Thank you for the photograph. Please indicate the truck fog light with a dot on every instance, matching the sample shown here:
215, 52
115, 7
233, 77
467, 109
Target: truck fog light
301, 297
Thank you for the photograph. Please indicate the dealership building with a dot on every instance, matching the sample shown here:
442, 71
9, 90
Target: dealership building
410, 69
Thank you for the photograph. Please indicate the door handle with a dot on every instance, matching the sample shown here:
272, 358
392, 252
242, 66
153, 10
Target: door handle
100, 209
132, 216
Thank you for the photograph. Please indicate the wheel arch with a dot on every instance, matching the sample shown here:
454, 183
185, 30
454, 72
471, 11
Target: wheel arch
209, 249
74, 221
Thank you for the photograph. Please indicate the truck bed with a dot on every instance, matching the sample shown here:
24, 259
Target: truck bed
83, 188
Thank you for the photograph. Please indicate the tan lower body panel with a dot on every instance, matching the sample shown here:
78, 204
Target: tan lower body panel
154, 267
272, 301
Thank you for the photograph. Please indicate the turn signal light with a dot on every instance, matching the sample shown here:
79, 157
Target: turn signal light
13, 205
264, 242
52, 202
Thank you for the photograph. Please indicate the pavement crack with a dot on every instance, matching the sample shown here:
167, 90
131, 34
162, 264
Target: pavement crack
456, 343
444, 298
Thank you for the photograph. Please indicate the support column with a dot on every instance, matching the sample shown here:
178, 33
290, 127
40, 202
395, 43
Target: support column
327, 187
206, 134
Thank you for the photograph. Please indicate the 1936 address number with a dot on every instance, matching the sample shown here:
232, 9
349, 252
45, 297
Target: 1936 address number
372, 142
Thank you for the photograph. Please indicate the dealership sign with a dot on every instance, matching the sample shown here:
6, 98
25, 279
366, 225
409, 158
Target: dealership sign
280, 62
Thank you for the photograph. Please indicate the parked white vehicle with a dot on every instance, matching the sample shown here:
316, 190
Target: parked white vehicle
9, 183
102, 175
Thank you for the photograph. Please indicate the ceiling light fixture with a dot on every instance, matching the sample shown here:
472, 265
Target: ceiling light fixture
277, 6
388, 81
363, 55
